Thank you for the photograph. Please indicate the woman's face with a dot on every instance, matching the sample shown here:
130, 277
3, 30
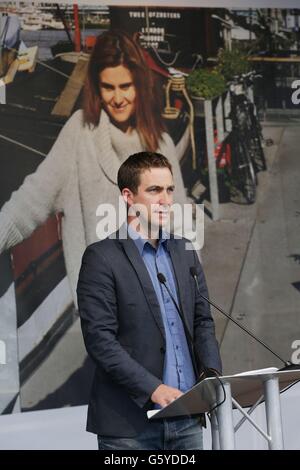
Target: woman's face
118, 94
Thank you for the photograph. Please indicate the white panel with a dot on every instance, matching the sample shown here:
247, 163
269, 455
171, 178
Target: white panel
2, 92
9, 372
64, 428
39, 323
58, 429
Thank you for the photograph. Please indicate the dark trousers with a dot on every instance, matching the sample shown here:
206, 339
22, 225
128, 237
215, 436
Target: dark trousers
166, 434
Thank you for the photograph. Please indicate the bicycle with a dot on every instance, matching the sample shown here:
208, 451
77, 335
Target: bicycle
247, 121
241, 171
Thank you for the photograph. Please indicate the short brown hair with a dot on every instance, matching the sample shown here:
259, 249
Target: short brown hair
113, 48
130, 171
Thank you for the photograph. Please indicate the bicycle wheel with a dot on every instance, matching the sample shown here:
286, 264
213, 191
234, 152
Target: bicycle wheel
256, 138
250, 131
242, 176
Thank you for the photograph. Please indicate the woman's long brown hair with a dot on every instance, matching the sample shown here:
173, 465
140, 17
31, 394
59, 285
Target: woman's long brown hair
115, 48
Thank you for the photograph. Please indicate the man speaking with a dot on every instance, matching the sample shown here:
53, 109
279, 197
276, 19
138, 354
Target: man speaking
149, 333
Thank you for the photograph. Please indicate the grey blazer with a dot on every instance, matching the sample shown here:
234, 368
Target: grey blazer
124, 334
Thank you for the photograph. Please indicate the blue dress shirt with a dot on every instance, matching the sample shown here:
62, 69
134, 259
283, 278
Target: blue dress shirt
178, 366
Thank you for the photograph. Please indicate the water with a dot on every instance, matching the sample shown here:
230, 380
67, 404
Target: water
45, 38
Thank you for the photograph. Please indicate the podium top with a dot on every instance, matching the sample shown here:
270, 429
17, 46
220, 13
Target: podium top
246, 388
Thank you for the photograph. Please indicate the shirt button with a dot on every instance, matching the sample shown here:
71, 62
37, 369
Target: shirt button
172, 324
180, 371
176, 347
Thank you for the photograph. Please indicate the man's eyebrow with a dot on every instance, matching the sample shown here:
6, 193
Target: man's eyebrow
150, 188
154, 186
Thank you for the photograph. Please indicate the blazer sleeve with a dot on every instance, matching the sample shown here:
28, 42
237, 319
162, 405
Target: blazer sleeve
98, 309
205, 342
31, 204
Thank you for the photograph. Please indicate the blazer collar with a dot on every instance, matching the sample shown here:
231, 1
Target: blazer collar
138, 265
177, 257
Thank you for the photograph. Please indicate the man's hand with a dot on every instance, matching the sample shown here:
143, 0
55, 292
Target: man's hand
163, 395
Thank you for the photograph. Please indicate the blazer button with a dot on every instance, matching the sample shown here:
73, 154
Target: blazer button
162, 350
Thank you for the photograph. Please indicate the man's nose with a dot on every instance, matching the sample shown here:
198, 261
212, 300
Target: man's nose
165, 198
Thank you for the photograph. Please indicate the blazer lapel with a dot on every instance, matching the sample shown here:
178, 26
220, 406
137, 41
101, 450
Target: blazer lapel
182, 285
145, 280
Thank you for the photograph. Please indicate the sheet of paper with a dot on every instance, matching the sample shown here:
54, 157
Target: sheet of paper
151, 413
258, 371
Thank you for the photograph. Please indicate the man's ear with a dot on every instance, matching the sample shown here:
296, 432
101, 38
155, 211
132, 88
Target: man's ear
127, 195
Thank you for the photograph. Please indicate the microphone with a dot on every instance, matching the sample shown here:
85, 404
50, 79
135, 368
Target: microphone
163, 281
287, 364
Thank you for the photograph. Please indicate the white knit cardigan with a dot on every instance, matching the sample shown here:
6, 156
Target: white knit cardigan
78, 174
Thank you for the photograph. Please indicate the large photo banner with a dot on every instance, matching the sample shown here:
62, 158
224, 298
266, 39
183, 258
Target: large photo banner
217, 91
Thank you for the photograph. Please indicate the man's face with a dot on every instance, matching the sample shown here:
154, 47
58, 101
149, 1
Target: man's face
118, 94
154, 197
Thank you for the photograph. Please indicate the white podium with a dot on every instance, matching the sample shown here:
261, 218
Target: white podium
236, 391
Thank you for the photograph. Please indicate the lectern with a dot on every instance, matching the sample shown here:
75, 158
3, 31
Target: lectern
225, 393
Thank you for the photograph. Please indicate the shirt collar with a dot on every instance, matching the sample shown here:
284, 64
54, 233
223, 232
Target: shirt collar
141, 242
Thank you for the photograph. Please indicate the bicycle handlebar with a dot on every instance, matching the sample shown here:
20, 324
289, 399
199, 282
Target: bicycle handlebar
241, 79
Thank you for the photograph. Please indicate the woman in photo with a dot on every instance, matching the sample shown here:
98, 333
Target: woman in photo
120, 116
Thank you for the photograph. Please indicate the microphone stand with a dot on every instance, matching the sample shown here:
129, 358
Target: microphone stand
163, 281
287, 364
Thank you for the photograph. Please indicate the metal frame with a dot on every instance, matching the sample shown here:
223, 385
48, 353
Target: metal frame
222, 428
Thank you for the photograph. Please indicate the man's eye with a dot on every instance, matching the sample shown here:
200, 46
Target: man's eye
171, 190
